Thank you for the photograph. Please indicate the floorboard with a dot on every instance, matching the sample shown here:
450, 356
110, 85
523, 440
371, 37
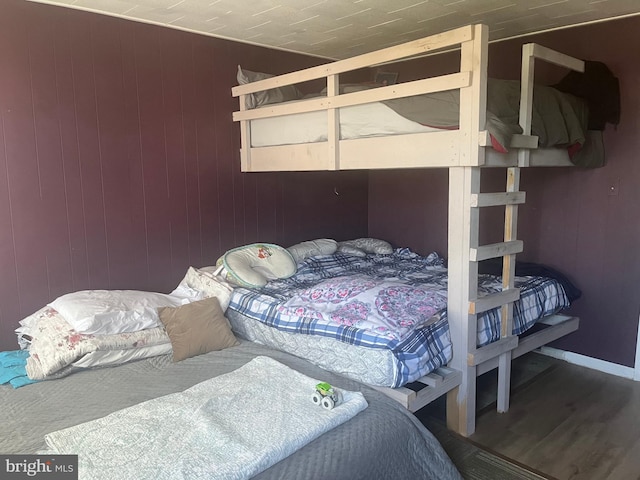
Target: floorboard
571, 423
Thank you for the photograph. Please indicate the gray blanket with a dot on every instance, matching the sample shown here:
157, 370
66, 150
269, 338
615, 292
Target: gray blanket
383, 441
558, 119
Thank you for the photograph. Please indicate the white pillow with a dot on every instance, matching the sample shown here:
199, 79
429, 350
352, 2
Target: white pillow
27, 328
201, 283
254, 265
369, 245
312, 248
106, 312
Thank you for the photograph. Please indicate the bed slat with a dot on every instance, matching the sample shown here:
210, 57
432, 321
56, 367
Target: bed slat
559, 326
437, 383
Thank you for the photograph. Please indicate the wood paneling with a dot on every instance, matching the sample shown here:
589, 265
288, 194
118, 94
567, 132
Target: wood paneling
119, 162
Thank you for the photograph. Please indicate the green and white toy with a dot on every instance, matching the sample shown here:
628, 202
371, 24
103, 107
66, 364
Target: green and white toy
326, 395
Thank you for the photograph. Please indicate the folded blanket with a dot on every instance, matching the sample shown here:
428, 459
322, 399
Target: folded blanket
56, 345
232, 426
13, 368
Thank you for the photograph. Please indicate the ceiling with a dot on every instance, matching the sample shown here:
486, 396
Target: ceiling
339, 29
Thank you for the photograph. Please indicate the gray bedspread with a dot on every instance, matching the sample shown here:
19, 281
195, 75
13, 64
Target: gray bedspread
558, 119
384, 441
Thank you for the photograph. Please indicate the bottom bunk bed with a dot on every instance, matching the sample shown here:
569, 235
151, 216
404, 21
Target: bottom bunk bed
381, 319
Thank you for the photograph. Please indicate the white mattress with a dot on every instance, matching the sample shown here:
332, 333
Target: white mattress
367, 365
367, 120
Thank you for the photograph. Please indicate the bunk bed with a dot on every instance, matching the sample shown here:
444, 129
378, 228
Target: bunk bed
465, 150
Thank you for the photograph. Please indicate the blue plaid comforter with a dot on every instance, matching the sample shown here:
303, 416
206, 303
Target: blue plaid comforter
420, 347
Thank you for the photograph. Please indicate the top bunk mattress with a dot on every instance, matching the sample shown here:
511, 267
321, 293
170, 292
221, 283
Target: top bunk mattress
559, 120
367, 120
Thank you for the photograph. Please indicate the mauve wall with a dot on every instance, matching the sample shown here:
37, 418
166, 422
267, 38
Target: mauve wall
119, 162
572, 219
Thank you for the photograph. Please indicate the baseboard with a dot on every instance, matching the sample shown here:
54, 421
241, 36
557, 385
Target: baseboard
590, 362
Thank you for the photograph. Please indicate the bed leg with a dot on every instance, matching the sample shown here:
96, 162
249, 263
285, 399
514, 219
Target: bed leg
504, 381
461, 404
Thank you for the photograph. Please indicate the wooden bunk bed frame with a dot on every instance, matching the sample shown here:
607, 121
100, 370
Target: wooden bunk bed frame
464, 153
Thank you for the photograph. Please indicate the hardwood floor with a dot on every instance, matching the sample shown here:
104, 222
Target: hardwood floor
569, 422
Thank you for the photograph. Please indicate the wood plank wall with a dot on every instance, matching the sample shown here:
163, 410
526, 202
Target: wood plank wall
573, 219
119, 162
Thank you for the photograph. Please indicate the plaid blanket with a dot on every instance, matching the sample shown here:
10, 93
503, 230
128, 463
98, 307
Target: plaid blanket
428, 343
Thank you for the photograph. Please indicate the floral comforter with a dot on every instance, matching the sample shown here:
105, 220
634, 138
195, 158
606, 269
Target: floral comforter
57, 348
395, 301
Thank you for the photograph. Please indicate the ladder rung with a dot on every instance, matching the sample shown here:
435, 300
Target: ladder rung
493, 300
523, 141
482, 354
495, 250
497, 199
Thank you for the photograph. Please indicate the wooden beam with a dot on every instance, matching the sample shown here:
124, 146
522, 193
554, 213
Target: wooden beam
397, 52
492, 350
523, 141
493, 300
559, 326
333, 126
464, 230
418, 87
497, 199
495, 250
437, 383
557, 58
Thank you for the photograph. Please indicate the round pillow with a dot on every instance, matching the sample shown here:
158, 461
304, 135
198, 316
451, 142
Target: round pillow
254, 265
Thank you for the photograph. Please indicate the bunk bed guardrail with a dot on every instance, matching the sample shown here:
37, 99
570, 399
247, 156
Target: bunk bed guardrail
430, 149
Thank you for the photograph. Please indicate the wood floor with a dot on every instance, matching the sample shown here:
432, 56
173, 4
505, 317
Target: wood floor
569, 422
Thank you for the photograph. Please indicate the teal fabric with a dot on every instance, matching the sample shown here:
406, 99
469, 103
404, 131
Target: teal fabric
13, 368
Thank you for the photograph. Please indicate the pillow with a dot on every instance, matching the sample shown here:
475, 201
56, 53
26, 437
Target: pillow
254, 265
369, 245
197, 328
106, 312
265, 97
351, 250
27, 328
312, 248
201, 283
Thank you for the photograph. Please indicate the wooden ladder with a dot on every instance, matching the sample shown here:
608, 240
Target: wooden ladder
465, 202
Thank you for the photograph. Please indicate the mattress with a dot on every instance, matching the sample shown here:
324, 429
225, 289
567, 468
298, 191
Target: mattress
327, 338
367, 120
366, 446
373, 366
558, 119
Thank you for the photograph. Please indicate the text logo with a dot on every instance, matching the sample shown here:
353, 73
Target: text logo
51, 467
